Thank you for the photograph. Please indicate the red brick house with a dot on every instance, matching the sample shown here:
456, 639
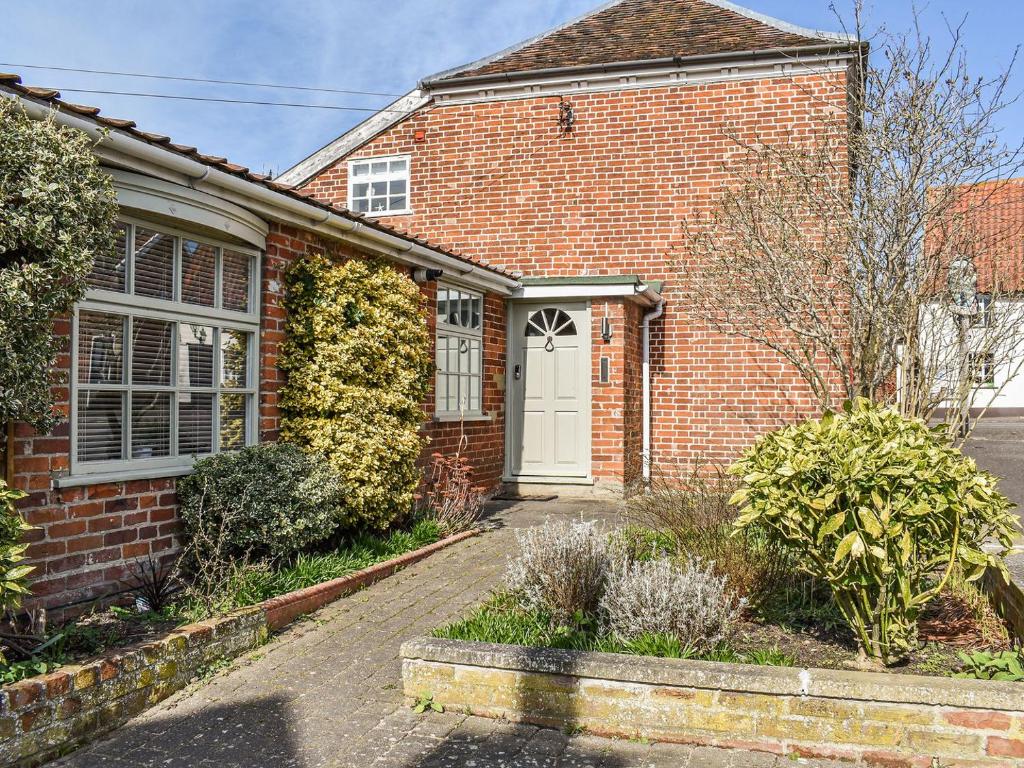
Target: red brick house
172, 354
563, 166
573, 158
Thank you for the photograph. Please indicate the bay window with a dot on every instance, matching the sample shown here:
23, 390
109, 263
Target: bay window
164, 362
459, 352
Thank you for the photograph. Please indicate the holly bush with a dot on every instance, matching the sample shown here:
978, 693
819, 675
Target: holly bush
57, 211
358, 362
878, 506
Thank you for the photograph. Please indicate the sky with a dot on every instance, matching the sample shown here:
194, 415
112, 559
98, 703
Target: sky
383, 47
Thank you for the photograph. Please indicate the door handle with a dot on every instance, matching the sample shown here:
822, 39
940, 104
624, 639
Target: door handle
517, 372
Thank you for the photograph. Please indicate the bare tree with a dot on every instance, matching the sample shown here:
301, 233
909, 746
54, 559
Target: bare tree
869, 251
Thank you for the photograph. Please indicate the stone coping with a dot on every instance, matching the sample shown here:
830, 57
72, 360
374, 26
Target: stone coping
740, 678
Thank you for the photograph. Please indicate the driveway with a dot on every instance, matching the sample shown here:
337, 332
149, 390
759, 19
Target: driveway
997, 444
328, 691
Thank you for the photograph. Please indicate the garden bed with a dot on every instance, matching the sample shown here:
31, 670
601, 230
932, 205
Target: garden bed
50, 714
105, 631
950, 627
873, 718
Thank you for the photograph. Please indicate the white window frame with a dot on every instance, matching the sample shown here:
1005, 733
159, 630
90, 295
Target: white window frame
370, 178
174, 311
448, 330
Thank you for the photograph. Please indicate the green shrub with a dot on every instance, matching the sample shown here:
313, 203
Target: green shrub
876, 505
357, 359
264, 502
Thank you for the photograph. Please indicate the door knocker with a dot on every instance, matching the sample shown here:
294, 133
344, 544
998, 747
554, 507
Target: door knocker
550, 346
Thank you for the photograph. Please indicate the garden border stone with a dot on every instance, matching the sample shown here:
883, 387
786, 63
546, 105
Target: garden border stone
871, 718
50, 715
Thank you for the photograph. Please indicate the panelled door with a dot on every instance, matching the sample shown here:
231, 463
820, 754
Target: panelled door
550, 380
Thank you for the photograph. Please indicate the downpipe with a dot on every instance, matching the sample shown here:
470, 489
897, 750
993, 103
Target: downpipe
645, 455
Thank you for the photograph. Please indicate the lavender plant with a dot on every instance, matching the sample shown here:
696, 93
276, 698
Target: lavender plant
561, 569
659, 597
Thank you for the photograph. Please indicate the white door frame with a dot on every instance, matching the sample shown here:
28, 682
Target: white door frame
513, 417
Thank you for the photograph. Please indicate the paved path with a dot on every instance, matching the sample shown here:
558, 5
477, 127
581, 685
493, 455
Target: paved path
327, 692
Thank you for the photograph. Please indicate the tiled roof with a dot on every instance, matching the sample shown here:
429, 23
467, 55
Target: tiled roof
993, 232
12, 83
643, 30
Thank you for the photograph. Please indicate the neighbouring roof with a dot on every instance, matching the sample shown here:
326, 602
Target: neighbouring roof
12, 83
644, 30
988, 225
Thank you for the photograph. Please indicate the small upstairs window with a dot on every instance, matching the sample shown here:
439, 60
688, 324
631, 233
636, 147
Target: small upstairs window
379, 186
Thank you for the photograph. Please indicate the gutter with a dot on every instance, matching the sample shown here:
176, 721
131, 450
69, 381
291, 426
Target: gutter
271, 204
702, 58
645, 455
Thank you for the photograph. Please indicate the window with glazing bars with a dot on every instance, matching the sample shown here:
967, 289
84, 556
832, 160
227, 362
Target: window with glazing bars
459, 352
379, 185
165, 350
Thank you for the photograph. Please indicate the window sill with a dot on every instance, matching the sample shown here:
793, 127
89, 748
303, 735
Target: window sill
120, 476
382, 214
448, 418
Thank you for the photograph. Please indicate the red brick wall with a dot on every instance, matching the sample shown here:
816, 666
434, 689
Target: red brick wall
498, 180
86, 538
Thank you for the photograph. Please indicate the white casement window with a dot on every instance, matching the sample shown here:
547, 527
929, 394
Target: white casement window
379, 185
459, 352
164, 361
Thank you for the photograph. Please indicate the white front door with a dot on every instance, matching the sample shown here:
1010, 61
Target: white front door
550, 390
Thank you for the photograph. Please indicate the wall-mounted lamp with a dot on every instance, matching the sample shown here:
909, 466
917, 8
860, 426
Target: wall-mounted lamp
566, 117
606, 329
426, 275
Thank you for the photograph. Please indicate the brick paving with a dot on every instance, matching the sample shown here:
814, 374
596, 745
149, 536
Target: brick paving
327, 691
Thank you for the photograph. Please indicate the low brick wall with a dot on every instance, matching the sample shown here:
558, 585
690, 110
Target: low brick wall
1008, 599
871, 718
50, 715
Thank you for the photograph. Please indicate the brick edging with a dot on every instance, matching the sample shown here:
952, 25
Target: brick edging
284, 609
50, 715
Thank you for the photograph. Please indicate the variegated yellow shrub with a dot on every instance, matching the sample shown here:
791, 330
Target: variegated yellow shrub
881, 508
358, 362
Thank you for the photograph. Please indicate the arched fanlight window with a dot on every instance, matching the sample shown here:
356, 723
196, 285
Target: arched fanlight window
550, 322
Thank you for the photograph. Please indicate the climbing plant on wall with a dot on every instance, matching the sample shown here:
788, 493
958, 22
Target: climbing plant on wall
57, 212
357, 360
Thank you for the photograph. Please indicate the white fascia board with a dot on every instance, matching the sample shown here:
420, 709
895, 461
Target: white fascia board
353, 138
632, 291
675, 75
